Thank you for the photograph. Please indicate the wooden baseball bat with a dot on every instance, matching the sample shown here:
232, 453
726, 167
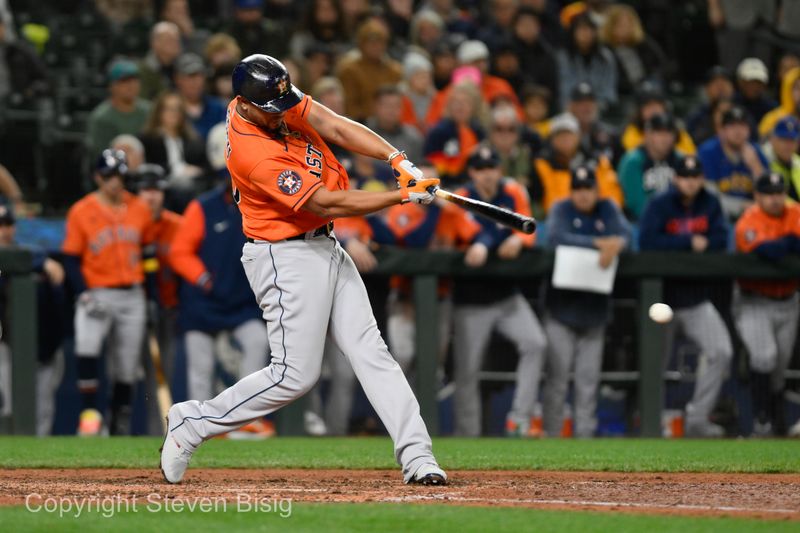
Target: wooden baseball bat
163, 394
500, 215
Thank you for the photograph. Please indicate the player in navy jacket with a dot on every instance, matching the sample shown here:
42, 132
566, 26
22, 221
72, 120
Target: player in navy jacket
687, 217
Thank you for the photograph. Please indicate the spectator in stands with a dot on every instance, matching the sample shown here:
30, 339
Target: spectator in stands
133, 148
122, 112
767, 310
506, 65
651, 101
50, 322
552, 29
537, 58
731, 162
426, 30
220, 86
718, 86
216, 295
329, 92
10, 193
157, 67
597, 137
781, 151
354, 13
687, 217
752, 90
418, 89
501, 15
515, 144
21, 69
255, 33
788, 61
178, 12
649, 169
551, 180
444, 63
637, 56
370, 67
222, 50
473, 56
323, 23
483, 306
585, 59
790, 102
536, 101
385, 121
456, 19
204, 110
576, 320
738, 26
317, 62
449, 142
170, 141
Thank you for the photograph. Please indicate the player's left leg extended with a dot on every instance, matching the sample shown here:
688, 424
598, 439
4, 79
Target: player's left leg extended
354, 330
519, 324
588, 362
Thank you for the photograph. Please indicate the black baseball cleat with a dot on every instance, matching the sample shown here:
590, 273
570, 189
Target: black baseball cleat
429, 475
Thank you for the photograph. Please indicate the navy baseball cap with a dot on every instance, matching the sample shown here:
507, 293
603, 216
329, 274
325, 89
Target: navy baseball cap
660, 121
582, 91
787, 128
689, 166
6, 215
484, 157
583, 177
735, 115
770, 183
716, 72
149, 176
112, 163
189, 64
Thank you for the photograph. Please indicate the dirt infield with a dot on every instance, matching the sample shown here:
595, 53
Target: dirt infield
773, 496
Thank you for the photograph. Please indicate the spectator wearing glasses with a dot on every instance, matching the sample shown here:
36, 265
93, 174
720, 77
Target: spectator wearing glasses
515, 143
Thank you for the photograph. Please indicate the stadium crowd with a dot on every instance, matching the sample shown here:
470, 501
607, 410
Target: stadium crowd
637, 125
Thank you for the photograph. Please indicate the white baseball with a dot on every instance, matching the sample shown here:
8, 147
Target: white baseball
661, 313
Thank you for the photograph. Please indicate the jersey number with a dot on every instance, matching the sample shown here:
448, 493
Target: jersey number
314, 161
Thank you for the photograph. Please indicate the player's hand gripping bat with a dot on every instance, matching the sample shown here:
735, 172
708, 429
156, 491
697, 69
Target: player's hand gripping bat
500, 215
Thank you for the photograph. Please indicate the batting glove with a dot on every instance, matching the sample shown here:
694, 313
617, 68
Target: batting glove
417, 191
404, 170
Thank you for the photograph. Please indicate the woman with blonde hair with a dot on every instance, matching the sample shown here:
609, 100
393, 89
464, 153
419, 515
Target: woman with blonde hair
637, 56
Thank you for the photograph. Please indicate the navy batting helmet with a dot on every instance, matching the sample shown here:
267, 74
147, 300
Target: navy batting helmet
265, 82
149, 176
112, 163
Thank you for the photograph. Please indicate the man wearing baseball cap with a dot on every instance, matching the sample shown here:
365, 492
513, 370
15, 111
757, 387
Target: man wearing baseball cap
731, 162
204, 110
767, 311
781, 151
752, 77
483, 306
648, 169
597, 137
688, 217
576, 320
552, 167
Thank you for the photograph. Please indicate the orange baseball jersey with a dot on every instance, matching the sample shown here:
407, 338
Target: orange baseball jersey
108, 240
274, 176
162, 233
353, 228
755, 227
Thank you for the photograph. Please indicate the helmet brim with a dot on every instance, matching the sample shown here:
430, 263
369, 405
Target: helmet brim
283, 103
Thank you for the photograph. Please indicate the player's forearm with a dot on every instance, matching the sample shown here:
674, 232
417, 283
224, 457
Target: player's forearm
334, 204
358, 138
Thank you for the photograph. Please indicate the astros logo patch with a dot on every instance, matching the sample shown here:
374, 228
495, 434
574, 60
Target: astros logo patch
289, 182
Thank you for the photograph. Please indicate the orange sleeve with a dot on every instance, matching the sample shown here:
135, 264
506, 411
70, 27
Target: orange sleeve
746, 232
183, 256
286, 181
302, 109
456, 226
75, 239
522, 205
794, 225
608, 184
436, 109
353, 227
407, 113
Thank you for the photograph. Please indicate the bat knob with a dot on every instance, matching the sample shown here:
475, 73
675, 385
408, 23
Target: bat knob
529, 226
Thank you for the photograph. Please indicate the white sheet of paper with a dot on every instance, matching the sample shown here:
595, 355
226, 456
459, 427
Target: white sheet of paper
579, 269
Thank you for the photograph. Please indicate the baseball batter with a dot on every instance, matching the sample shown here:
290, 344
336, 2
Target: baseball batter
289, 187
767, 311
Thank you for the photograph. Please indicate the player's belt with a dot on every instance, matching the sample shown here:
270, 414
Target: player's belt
321, 231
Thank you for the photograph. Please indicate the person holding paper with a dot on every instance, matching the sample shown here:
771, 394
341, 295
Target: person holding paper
576, 319
687, 217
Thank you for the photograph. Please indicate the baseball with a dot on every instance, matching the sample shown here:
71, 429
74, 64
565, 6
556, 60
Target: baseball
661, 313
